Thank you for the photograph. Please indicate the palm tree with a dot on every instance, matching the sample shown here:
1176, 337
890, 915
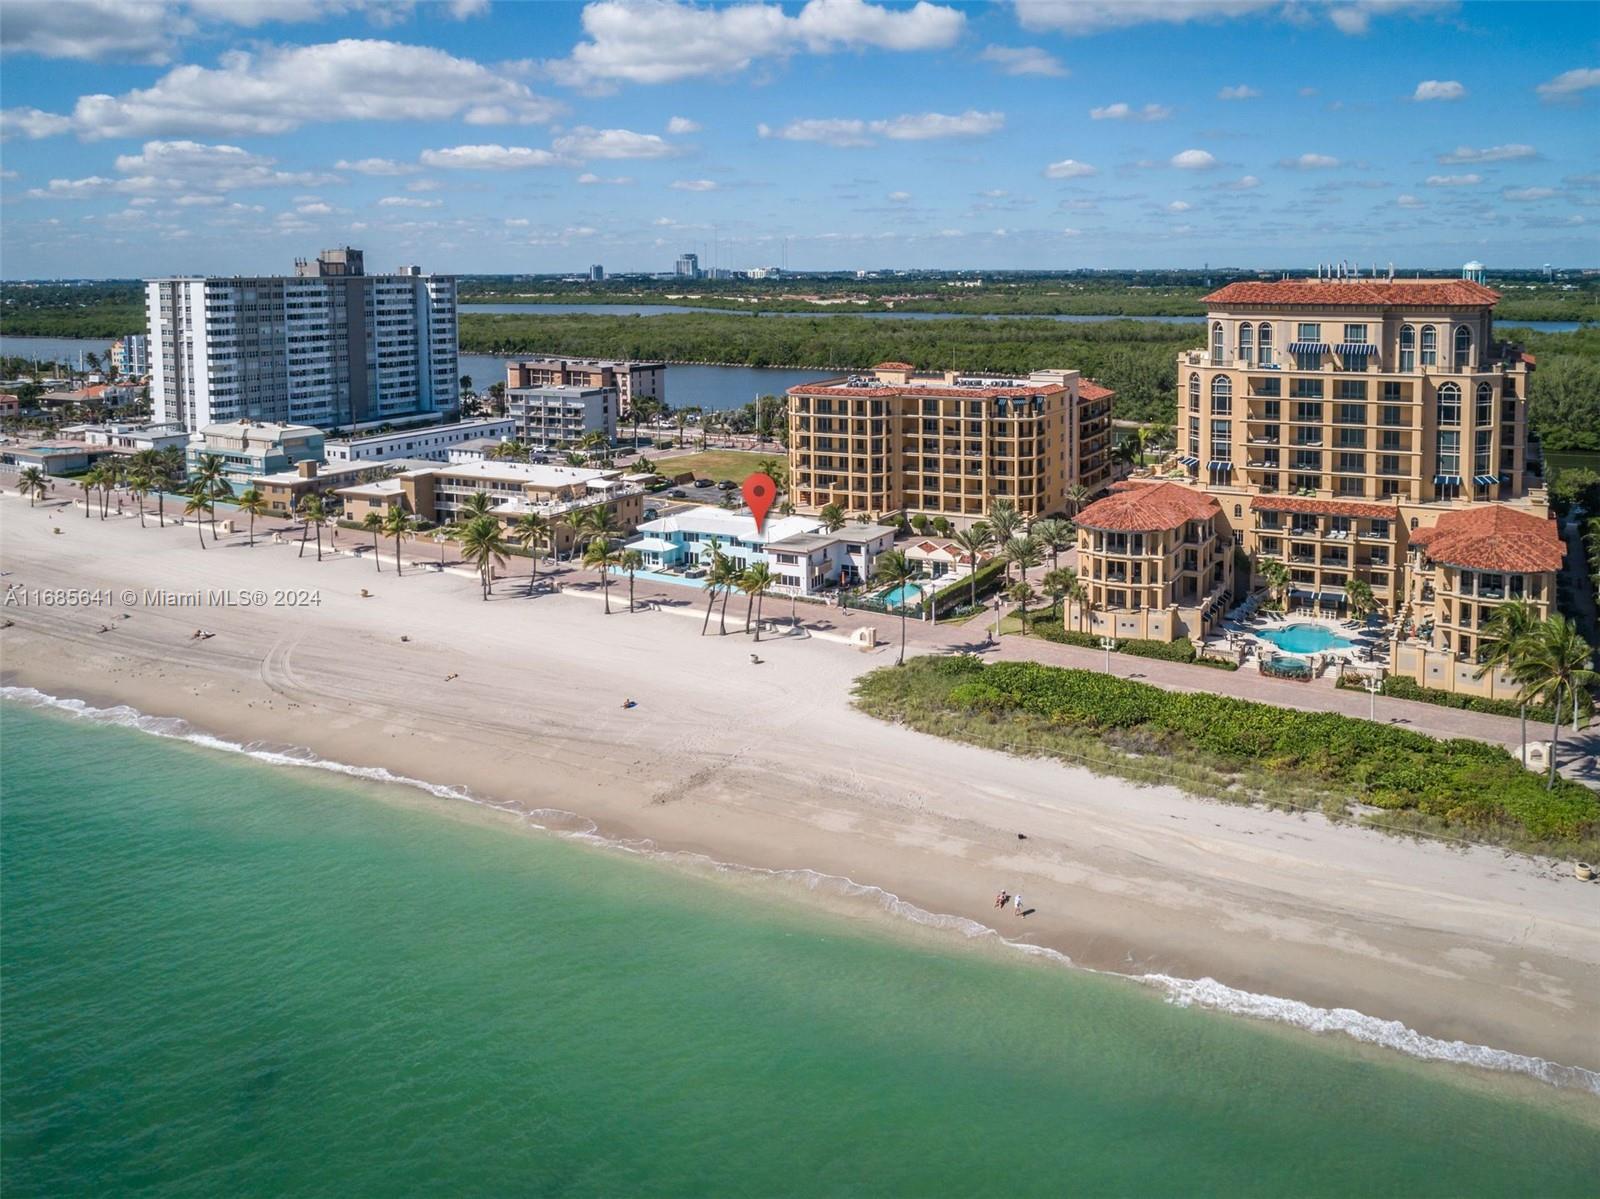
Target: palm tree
139, 484
974, 540
597, 521
832, 517
211, 471
1505, 644
1079, 594
372, 523
476, 505
758, 579
630, 561
1053, 535
88, 480
397, 522
1077, 496
198, 502
1556, 659
1021, 552
483, 543
775, 469
1127, 451
32, 481
1058, 584
710, 556
1005, 520
315, 516
894, 570
1358, 592
1276, 576
1022, 593
603, 558
531, 531
253, 504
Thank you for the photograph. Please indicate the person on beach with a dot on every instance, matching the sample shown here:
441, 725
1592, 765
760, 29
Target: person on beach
1016, 903
1000, 899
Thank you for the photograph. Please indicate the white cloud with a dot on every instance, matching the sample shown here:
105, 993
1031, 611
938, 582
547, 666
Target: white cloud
1528, 194
661, 41
1069, 168
1124, 112
1084, 17
585, 143
1439, 89
517, 222
31, 123
1241, 91
92, 30
406, 202
1567, 85
488, 158
1179, 206
1242, 184
1409, 201
1072, 233
899, 197
693, 185
282, 88
1024, 60
683, 125
588, 179
424, 185
1310, 162
1506, 153
317, 208
1453, 180
1194, 160
1306, 92
178, 168
852, 131
376, 166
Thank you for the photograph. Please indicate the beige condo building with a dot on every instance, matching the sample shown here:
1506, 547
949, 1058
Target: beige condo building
946, 443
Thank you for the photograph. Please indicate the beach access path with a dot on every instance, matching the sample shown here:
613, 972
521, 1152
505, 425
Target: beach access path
519, 700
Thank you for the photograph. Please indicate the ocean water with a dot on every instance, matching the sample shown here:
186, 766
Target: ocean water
225, 977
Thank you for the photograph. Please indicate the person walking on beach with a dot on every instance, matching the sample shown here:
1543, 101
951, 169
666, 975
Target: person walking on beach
1000, 899
1016, 903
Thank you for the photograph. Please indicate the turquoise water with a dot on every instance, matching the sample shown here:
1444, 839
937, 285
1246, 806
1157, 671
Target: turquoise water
906, 593
1305, 638
226, 978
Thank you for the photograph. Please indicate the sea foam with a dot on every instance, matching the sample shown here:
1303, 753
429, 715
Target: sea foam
1184, 992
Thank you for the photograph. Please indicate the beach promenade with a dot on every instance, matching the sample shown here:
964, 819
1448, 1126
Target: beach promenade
520, 700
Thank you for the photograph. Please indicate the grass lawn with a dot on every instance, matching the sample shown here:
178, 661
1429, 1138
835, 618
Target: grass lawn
712, 464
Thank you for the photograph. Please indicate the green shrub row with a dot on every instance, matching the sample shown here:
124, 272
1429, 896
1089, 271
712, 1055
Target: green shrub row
1181, 650
953, 595
1399, 687
1462, 783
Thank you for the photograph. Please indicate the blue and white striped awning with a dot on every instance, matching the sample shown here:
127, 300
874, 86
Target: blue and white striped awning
1447, 480
1308, 347
1357, 349
1190, 462
1485, 480
1221, 468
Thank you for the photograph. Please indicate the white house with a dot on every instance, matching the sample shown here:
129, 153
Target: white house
432, 443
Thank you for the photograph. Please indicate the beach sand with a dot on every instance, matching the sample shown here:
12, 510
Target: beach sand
519, 699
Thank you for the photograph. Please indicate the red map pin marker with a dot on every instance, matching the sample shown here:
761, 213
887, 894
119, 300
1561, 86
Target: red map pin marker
759, 492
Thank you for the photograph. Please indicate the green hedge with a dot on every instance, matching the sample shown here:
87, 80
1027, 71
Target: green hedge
1465, 784
1181, 650
955, 594
1399, 687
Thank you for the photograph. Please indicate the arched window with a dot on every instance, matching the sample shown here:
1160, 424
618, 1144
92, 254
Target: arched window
1449, 404
1246, 343
1413, 524
1238, 511
1264, 344
1430, 346
1463, 358
1194, 393
1216, 343
1221, 395
1408, 348
1484, 413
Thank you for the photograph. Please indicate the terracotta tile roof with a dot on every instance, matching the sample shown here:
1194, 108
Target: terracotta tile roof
914, 388
894, 366
1365, 293
1146, 508
1312, 507
1088, 389
1493, 537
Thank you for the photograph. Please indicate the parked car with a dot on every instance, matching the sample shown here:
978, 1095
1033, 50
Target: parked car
678, 493
702, 482
727, 485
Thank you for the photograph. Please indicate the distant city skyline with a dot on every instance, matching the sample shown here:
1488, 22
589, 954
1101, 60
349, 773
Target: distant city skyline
477, 137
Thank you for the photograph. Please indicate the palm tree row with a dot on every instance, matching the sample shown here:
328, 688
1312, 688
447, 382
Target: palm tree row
724, 576
1548, 660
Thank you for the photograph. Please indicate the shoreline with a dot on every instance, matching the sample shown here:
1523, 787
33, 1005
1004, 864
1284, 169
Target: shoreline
774, 771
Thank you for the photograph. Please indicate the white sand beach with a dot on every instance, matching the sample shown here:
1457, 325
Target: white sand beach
768, 765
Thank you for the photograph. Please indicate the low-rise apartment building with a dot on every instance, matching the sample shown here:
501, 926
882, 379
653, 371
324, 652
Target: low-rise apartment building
1155, 562
129, 438
896, 439
249, 448
439, 493
633, 380
549, 416
431, 443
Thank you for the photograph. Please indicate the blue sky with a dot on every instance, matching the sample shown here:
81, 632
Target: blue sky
146, 137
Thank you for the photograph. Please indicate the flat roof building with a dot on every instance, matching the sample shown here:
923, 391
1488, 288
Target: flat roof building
432, 443
252, 448
554, 415
633, 380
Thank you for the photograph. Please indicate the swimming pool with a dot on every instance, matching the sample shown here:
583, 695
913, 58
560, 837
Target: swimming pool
1305, 639
907, 593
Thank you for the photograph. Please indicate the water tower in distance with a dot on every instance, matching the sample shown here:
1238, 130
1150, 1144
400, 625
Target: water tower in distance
1473, 271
